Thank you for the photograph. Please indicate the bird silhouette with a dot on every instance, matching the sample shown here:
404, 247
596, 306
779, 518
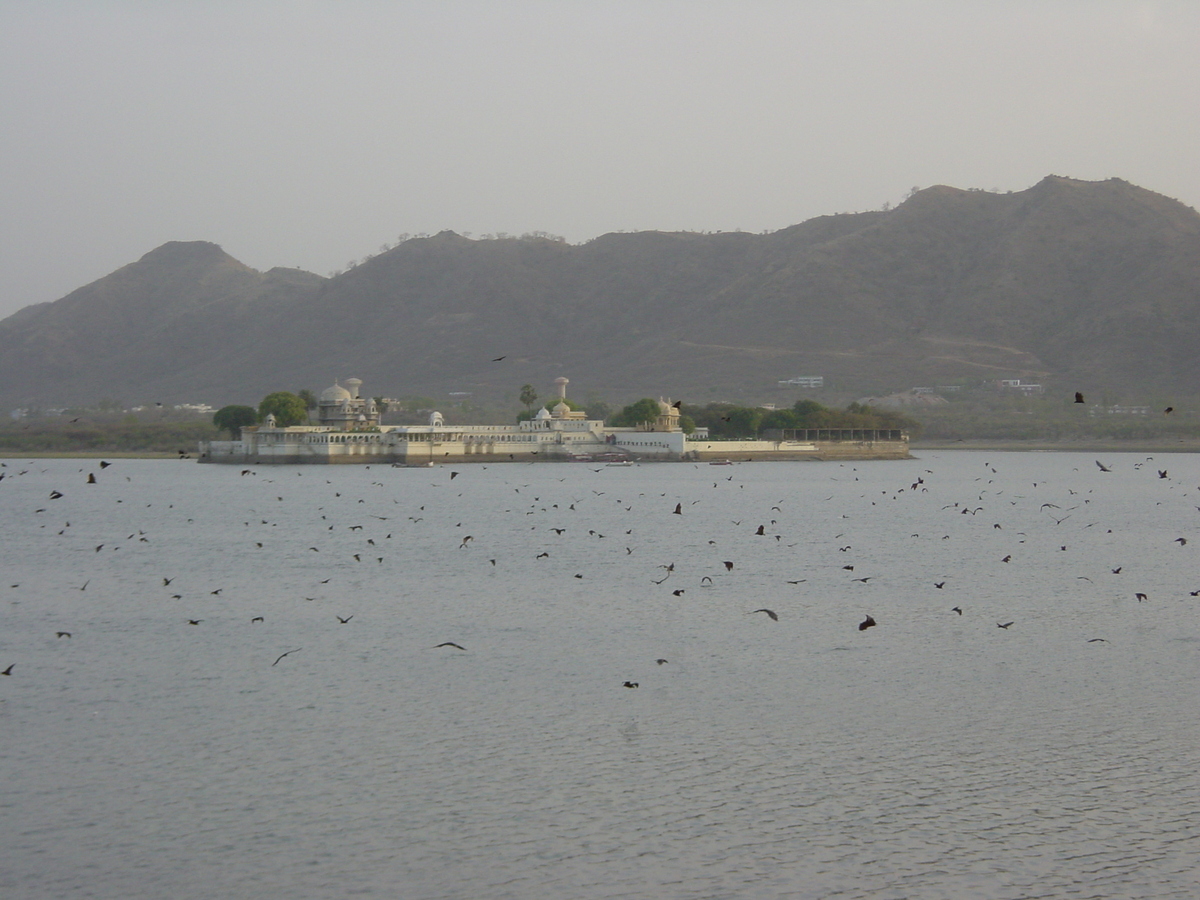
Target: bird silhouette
449, 644
1003, 625
62, 634
770, 612
630, 684
956, 609
289, 653
866, 623
1103, 467
340, 619
8, 671
1078, 397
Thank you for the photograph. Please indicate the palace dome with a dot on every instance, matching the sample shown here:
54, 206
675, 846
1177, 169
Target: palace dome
335, 394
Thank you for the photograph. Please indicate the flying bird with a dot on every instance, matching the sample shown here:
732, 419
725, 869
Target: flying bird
289, 653
728, 566
449, 644
630, 684
679, 509
770, 612
866, 623
8, 671
1078, 397
340, 619
1003, 625
62, 634
1103, 467
957, 609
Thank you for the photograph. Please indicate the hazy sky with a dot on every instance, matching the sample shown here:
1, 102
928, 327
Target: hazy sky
310, 133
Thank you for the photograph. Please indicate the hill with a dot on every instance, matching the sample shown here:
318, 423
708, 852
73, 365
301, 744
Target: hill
1090, 286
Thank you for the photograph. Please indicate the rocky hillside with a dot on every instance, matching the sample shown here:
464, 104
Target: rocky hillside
1080, 285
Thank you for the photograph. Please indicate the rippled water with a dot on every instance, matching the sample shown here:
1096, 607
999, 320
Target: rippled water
934, 755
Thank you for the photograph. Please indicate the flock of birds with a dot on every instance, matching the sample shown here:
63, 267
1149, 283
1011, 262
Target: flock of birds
570, 519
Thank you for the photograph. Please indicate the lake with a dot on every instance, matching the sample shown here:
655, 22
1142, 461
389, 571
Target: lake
933, 755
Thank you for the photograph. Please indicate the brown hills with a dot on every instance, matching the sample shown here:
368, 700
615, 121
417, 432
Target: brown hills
1081, 285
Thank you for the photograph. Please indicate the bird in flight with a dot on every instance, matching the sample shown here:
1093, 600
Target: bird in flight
62, 634
630, 684
1103, 467
1078, 397
340, 619
449, 644
770, 612
282, 655
1004, 625
8, 671
866, 623
957, 609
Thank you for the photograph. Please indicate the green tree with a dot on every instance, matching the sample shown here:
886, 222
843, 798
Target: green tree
309, 398
528, 395
234, 418
287, 408
644, 410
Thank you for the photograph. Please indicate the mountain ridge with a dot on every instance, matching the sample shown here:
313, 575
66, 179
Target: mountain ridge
1092, 285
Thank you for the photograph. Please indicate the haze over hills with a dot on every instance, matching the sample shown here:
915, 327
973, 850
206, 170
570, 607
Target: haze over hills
1090, 286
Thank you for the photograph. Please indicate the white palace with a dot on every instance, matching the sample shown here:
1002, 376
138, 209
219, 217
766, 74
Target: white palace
348, 430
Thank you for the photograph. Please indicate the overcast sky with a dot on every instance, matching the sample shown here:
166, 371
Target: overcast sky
311, 133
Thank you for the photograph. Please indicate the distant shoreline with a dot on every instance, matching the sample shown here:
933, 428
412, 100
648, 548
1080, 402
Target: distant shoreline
1085, 446
1081, 446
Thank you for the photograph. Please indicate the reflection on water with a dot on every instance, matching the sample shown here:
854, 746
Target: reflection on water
935, 755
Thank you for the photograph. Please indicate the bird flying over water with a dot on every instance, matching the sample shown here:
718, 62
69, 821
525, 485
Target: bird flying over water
770, 612
449, 644
1078, 397
866, 623
282, 655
